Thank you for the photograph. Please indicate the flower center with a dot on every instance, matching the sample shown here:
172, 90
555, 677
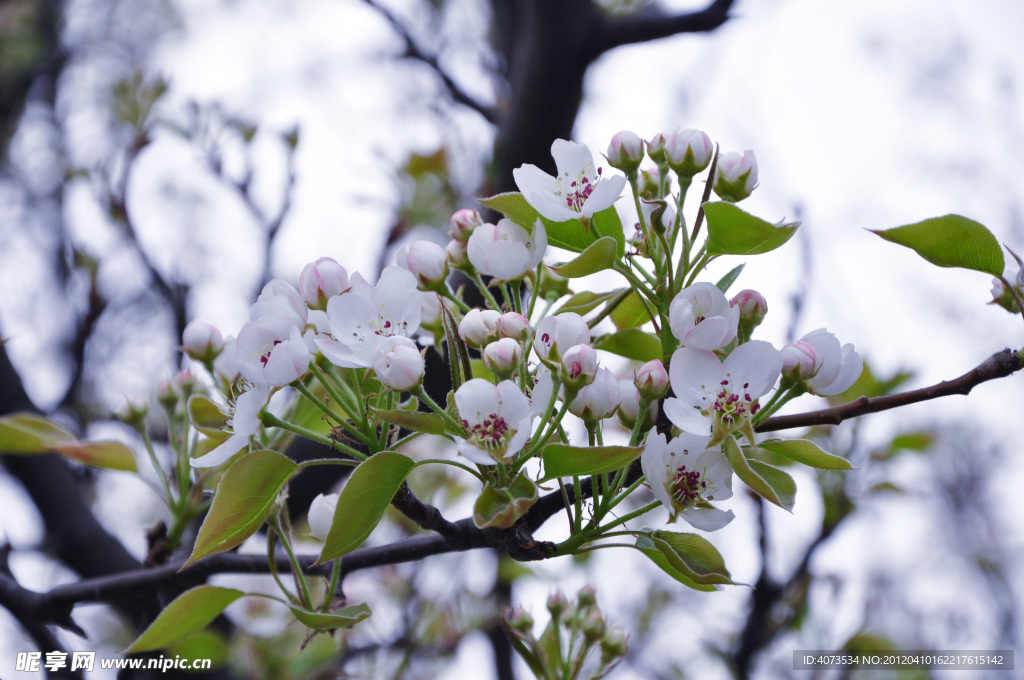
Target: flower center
489, 433
579, 190
686, 486
388, 329
265, 357
730, 407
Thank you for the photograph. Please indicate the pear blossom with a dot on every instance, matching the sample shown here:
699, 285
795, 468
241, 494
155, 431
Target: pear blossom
201, 340
280, 298
685, 474
427, 261
245, 422
736, 175
579, 190
701, 317
363, 319
496, 419
226, 364
542, 392
271, 351
688, 152
321, 515
479, 327
599, 399
399, 364
556, 334
506, 250
463, 223
719, 398
322, 280
818, 359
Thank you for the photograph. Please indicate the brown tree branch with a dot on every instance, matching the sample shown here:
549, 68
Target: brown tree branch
615, 31
999, 365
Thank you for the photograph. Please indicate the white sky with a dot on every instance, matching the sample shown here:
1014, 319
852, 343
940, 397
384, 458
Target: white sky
863, 115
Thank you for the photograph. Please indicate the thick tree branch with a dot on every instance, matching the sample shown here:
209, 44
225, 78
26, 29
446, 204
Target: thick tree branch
999, 365
614, 31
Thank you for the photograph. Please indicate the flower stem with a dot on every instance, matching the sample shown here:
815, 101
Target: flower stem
271, 420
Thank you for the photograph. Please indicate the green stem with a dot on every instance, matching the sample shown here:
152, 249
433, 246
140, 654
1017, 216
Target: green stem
485, 291
270, 420
330, 413
635, 282
422, 395
447, 294
172, 503
333, 586
349, 402
300, 578
453, 463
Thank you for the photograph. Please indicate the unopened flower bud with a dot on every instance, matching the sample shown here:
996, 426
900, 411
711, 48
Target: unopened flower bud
656, 148
552, 285
689, 152
201, 341
463, 223
519, 619
579, 367
502, 358
649, 182
401, 367
186, 384
799, 360
625, 151
557, 604
556, 334
599, 399
322, 280
479, 327
587, 597
427, 261
614, 646
752, 308
321, 515
594, 627
736, 175
133, 412
167, 394
514, 325
651, 380
457, 256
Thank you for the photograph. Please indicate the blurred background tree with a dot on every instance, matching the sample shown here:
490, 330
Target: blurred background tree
162, 160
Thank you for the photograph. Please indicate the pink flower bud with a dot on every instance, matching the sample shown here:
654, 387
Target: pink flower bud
736, 175
458, 257
401, 366
599, 399
799, 361
503, 357
558, 333
689, 152
133, 412
514, 325
201, 340
427, 261
625, 151
652, 380
479, 327
752, 308
579, 366
463, 223
279, 298
321, 514
656, 148
322, 280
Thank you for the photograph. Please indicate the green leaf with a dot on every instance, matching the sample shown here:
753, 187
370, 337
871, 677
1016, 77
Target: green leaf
458, 352
731, 231
29, 433
630, 313
645, 545
343, 618
244, 498
951, 241
513, 205
500, 508
608, 223
562, 460
189, 612
363, 501
780, 482
693, 556
417, 421
109, 455
631, 343
806, 452
582, 303
750, 476
598, 256
726, 281
206, 416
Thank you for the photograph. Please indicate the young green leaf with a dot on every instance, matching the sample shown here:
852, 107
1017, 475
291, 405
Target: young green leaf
206, 416
29, 433
244, 498
109, 455
645, 545
584, 302
806, 452
951, 241
363, 501
780, 482
500, 508
632, 312
562, 460
514, 206
750, 476
631, 343
189, 612
417, 421
726, 281
693, 556
731, 231
598, 256
343, 618
608, 223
